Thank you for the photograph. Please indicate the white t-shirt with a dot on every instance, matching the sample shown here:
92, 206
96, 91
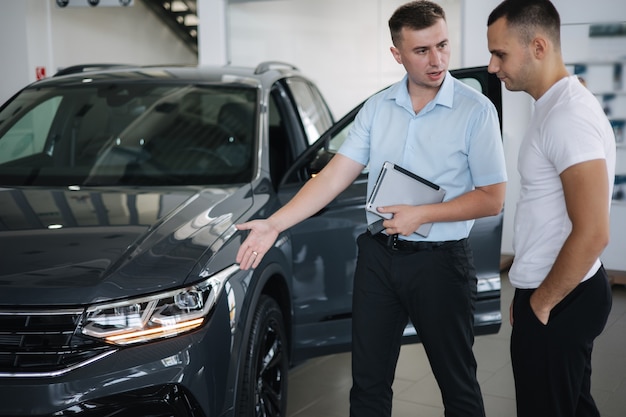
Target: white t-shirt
568, 126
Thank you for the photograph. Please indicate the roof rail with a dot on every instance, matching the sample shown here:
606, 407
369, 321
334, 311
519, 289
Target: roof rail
75, 69
267, 65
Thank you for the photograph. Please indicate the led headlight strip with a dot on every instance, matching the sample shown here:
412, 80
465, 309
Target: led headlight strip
156, 316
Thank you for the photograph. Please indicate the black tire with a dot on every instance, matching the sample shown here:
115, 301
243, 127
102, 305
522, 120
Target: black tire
263, 388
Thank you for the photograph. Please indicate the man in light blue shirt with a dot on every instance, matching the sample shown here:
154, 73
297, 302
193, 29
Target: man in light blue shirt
454, 141
444, 131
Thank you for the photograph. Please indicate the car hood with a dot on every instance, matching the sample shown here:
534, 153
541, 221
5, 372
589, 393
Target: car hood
76, 247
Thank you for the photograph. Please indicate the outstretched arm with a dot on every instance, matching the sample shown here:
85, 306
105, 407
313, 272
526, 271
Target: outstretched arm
314, 196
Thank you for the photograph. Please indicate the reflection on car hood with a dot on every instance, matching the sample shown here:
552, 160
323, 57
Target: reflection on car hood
62, 247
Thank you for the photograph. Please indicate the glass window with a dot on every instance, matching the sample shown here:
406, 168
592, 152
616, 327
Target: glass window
339, 138
129, 134
314, 113
473, 82
28, 135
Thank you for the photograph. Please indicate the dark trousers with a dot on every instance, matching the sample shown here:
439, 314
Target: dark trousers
552, 363
436, 289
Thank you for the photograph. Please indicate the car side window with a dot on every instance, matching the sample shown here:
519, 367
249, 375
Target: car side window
317, 156
473, 82
339, 138
314, 113
324, 154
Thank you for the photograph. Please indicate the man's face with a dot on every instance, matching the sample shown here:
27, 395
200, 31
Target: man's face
510, 60
424, 54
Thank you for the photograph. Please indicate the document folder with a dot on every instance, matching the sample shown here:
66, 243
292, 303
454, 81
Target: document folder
396, 185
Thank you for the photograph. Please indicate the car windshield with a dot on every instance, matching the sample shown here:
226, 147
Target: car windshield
128, 134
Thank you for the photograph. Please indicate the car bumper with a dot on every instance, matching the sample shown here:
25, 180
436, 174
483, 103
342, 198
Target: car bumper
164, 400
184, 376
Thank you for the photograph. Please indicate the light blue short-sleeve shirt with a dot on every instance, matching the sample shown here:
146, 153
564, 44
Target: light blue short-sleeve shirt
454, 141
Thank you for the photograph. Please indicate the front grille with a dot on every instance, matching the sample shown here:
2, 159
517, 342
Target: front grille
43, 342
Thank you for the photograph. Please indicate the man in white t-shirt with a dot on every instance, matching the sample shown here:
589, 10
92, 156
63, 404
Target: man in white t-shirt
567, 167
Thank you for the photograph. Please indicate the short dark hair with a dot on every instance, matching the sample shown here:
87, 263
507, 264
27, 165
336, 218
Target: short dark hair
526, 16
415, 15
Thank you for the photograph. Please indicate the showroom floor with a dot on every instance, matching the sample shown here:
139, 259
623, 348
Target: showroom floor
320, 387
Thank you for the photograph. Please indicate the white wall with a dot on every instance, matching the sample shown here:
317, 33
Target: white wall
13, 48
342, 44
38, 33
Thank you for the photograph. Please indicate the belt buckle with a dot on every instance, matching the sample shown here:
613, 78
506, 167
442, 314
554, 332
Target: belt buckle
393, 243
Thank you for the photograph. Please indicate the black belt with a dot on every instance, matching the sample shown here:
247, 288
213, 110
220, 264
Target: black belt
393, 243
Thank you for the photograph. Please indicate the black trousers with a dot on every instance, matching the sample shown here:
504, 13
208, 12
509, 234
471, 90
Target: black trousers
436, 289
552, 363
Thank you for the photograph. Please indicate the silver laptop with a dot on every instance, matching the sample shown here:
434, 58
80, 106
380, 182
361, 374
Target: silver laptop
396, 185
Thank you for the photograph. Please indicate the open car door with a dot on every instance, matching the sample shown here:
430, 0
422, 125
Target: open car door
324, 246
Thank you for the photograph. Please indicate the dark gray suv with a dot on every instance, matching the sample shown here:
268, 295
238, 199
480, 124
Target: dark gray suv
119, 291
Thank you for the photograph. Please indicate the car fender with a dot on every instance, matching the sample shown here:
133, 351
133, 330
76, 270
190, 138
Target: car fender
271, 278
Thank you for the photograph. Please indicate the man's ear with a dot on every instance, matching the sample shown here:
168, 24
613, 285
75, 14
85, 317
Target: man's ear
396, 54
539, 47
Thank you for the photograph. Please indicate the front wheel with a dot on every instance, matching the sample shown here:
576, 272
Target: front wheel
263, 390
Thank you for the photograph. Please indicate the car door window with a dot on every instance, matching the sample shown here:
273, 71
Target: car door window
339, 138
314, 113
472, 82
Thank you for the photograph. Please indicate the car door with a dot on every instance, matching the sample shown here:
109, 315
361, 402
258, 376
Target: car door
324, 252
324, 246
486, 235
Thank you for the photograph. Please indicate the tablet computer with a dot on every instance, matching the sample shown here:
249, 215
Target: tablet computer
396, 185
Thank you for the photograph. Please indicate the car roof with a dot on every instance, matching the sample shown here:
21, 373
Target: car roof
263, 75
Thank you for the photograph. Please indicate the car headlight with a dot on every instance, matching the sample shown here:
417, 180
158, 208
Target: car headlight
156, 316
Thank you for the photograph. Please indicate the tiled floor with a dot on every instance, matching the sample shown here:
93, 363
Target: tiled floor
320, 387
